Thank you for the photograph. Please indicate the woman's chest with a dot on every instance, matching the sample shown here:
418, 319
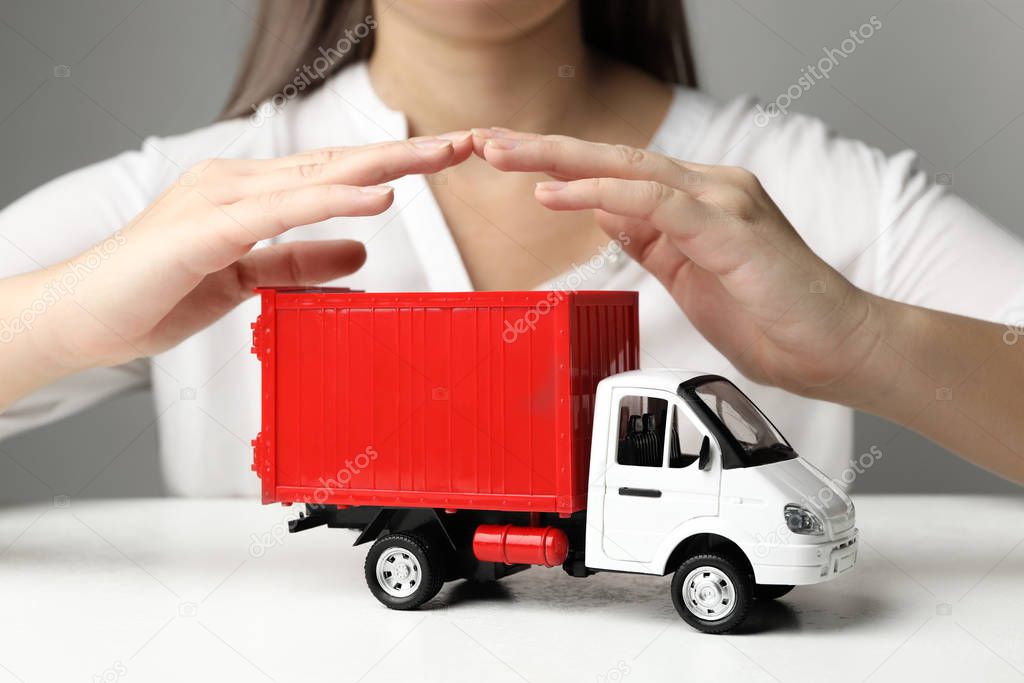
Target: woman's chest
505, 238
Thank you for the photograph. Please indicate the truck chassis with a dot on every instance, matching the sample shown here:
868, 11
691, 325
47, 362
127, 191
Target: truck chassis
427, 547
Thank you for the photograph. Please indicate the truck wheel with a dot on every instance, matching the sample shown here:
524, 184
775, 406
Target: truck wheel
404, 570
770, 591
712, 592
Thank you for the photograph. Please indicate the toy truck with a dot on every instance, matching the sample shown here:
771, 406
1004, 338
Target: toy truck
474, 435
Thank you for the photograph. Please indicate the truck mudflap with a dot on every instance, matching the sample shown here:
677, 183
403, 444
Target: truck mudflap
334, 517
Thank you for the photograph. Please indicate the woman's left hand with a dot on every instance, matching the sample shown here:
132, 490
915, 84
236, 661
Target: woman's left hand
722, 248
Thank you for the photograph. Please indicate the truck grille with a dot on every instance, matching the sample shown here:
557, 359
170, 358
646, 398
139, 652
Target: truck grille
845, 544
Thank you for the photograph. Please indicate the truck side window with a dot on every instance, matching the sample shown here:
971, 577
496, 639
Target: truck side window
684, 441
642, 421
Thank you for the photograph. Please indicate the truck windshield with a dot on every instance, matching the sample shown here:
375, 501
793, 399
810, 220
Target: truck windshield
760, 442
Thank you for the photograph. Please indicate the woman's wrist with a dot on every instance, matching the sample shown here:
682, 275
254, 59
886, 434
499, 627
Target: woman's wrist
860, 370
874, 375
890, 377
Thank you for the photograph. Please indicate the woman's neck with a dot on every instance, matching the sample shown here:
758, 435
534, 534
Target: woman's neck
532, 81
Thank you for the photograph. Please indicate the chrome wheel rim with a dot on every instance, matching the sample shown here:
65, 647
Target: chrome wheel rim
398, 572
709, 593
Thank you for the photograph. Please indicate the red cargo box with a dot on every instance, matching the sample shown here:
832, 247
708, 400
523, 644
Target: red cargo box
480, 400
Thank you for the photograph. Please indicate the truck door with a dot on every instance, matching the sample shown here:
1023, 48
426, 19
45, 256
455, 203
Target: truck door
654, 482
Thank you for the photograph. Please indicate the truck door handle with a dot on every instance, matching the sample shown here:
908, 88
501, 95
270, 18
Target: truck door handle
643, 493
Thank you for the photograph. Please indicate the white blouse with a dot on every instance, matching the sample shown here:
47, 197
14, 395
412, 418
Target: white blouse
877, 219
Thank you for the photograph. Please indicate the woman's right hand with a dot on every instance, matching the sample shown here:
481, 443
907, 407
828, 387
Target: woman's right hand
188, 258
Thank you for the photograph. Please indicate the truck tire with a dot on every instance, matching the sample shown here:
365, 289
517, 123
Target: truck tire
770, 591
404, 570
712, 592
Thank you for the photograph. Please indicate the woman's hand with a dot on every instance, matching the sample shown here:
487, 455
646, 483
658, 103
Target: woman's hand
755, 290
722, 248
188, 259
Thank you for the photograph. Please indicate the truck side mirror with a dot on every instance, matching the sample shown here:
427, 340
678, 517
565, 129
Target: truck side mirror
704, 459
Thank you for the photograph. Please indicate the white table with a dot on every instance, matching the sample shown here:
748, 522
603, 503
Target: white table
171, 590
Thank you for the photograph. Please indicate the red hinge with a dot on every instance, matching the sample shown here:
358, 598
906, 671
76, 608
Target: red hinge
257, 459
257, 338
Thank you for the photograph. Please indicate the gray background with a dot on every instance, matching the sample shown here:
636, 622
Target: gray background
943, 77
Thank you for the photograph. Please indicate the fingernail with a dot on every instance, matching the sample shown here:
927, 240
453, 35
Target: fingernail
552, 186
502, 143
481, 132
376, 189
431, 143
457, 136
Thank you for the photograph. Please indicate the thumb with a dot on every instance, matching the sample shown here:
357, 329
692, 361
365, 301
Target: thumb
294, 263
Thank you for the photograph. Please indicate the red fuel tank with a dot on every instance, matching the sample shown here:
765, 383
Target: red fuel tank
510, 544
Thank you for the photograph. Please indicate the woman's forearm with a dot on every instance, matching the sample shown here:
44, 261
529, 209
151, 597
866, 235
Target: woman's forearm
188, 259
28, 358
956, 380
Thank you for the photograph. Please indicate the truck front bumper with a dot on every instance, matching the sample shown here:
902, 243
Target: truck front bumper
797, 565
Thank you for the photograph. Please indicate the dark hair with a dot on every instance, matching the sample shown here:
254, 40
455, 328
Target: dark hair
648, 34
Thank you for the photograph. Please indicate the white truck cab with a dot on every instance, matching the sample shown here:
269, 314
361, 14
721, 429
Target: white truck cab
687, 475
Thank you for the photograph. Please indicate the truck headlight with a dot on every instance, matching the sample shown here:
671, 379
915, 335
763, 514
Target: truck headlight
800, 520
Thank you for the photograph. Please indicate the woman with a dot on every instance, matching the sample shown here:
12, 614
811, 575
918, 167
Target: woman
814, 266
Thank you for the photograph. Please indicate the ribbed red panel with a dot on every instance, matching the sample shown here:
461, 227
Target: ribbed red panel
468, 400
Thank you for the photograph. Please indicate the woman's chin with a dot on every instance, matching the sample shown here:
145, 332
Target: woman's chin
478, 20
